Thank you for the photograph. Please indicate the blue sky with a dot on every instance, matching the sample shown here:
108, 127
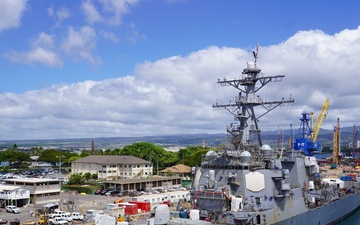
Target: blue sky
95, 68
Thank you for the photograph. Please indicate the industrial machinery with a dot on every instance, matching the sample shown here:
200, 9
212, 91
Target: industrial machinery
321, 117
307, 135
354, 142
43, 219
336, 144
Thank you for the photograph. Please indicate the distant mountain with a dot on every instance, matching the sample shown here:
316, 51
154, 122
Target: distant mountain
269, 137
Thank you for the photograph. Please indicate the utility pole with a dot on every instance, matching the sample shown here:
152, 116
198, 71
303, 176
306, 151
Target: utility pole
150, 157
60, 172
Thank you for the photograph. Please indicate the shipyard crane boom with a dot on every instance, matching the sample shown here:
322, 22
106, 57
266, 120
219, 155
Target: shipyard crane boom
321, 117
354, 142
336, 144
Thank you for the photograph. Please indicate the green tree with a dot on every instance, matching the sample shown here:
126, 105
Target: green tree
51, 156
159, 157
76, 178
94, 176
87, 176
84, 153
191, 156
36, 151
9, 155
14, 157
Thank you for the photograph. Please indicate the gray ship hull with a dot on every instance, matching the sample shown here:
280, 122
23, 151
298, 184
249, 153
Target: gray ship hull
326, 214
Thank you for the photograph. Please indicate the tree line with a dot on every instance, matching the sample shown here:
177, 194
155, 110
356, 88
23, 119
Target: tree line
190, 156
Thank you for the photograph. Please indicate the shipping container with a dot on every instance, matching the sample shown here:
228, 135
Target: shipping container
143, 206
130, 208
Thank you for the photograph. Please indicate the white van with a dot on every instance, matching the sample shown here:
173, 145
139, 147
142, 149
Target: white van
77, 216
59, 221
67, 216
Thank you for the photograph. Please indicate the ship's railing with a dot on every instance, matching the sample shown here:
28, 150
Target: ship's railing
209, 195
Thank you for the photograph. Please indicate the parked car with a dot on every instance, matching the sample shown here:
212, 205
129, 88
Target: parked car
3, 221
59, 220
52, 217
12, 209
134, 193
122, 193
103, 192
114, 193
77, 216
98, 192
67, 216
108, 193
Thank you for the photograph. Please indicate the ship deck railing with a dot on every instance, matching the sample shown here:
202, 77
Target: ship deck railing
209, 195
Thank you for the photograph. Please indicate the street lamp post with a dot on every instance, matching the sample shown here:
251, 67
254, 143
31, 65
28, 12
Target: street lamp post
60, 172
150, 156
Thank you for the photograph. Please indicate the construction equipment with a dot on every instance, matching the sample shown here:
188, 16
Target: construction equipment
336, 143
354, 142
321, 117
307, 135
303, 142
120, 200
43, 219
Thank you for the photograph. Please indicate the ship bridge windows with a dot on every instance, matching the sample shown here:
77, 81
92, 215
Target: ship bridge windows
227, 167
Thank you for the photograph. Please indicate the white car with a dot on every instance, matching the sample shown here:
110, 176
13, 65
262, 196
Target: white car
12, 209
59, 220
67, 216
77, 216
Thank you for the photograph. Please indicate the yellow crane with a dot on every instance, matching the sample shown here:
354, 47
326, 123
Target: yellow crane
335, 153
321, 117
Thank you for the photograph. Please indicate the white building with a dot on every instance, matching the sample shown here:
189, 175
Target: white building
42, 191
113, 166
14, 195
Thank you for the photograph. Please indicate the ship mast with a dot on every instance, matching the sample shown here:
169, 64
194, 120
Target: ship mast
251, 81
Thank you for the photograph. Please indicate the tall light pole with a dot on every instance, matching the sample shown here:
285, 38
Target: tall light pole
60, 173
150, 156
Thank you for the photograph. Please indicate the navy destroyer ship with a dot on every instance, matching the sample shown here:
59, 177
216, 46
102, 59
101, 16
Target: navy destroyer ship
247, 182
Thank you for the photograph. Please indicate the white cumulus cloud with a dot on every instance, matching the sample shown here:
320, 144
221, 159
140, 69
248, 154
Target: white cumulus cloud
41, 52
109, 36
11, 12
91, 13
80, 44
175, 95
59, 15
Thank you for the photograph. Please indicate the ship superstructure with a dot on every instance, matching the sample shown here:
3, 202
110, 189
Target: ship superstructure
249, 183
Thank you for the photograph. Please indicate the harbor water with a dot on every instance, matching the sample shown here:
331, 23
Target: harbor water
353, 219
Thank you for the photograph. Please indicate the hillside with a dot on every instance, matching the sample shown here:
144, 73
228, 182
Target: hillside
212, 140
